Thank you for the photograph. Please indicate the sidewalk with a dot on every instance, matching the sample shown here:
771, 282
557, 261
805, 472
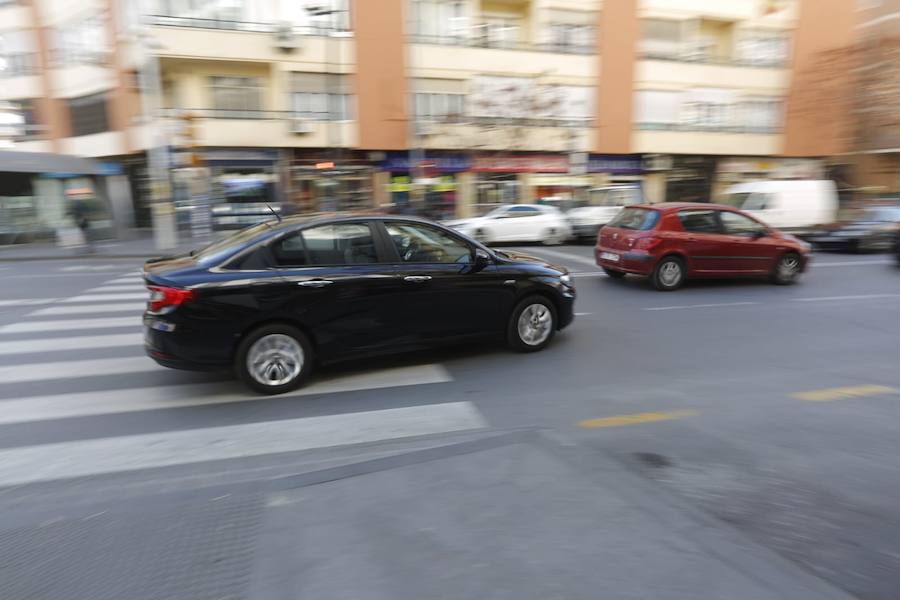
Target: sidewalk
514, 515
141, 246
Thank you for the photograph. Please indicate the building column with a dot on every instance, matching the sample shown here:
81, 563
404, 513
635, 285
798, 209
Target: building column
465, 195
526, 190
655, 187
381, 189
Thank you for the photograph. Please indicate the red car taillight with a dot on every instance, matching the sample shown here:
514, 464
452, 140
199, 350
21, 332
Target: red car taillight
646, 243
164, 299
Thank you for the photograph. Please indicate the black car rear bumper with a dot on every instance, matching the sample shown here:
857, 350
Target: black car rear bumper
168, 345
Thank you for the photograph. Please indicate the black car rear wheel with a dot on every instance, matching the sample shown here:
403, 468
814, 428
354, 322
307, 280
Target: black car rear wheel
532, 324
274, 359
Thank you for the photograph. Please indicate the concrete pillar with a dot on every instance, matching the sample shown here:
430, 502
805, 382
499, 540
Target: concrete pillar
465, 195
526, 190
381, 189
600, 179
655, 187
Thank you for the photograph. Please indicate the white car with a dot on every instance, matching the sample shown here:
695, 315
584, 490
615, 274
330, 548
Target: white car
605, 204
517, 223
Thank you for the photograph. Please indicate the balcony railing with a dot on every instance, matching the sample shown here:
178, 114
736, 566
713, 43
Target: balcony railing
231, 25
773, 63
251, 114
19, 65
709, 128
503, 121
477, 42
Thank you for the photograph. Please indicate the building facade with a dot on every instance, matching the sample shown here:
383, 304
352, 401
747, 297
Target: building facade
441, 106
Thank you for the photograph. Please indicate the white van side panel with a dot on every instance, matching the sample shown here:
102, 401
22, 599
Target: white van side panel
794, 204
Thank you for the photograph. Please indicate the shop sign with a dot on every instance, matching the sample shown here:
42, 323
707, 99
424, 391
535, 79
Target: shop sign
544, 163
453, 163
561, 180
401, 183
240, 155
775, 168
618, 165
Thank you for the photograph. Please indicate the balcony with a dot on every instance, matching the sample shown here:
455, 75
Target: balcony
708, 128
701, 59
229, 25
720, 140
265, 128
490, 133
500, 44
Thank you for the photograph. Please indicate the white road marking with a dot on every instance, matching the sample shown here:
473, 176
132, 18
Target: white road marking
65, 460
107, 297
78, 268
835, 298
716, 305
850, 263
135, 307
70, 369
104, 289
571, 257
591, 274
28, 301
71, 343
127, 279
582, 314
68, 325
82, 404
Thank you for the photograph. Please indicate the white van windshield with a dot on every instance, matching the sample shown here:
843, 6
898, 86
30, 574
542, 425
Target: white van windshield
750, 200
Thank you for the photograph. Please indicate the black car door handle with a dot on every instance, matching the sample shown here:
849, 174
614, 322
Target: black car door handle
417, 278
315, 283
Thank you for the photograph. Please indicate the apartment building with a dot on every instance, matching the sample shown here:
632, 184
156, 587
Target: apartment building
450, 105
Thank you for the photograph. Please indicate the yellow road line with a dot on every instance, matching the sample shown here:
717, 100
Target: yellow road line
841, 393
648, 417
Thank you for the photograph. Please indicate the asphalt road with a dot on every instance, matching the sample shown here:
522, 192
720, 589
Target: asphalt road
774, 409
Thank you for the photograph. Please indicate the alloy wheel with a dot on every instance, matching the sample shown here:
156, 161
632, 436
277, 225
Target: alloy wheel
275, 359
535, 324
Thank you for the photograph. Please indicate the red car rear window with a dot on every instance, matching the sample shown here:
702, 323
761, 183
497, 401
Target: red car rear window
638, 219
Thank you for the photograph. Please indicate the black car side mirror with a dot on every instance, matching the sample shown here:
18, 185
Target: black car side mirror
482, 260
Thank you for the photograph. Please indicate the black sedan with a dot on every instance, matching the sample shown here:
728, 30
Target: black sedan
276, 298
872, 231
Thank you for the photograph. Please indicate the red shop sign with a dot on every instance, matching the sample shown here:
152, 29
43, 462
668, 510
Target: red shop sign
542, 163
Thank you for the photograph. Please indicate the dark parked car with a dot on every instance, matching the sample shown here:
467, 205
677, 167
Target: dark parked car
272, 300
674, 241
872, 231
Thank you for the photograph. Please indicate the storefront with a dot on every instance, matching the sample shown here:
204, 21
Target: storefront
39, 191
437, 174
243, 185
690, 179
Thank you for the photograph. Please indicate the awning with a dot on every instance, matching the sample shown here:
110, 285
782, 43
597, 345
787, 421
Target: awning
47, 163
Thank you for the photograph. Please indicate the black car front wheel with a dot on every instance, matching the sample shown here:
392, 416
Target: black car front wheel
532, 324
274, 359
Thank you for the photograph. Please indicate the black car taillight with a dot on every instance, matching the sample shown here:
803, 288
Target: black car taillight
165, 299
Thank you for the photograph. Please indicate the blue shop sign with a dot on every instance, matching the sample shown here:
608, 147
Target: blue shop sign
448, 163
615, 164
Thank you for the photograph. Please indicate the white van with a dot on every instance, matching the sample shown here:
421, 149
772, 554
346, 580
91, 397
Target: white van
603, 205
794, 206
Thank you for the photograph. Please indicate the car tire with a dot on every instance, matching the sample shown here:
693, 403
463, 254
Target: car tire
614, 274
532, 324
669, 274
787, 269
274, 359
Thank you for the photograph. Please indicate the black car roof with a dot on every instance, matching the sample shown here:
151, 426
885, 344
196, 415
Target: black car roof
318, 219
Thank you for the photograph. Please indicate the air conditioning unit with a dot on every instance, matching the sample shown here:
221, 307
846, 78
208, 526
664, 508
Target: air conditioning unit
285, 38
301, 126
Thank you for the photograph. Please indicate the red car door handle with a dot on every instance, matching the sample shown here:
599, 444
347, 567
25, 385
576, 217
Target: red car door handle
691, 238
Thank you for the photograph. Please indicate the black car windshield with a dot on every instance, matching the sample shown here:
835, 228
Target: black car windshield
639, 219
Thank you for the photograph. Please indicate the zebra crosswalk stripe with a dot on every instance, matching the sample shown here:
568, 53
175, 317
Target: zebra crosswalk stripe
87, 309
76, 368
71, 343
63, 460
107, 402
69, 325
107, 297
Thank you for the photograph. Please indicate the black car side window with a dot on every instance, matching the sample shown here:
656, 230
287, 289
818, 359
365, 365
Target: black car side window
700, 221
422, 244
338, 244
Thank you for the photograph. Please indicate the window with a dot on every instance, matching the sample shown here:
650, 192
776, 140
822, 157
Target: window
700, 221
497, 31
440, 107
25, 109
221, 11
339, 244
762, 48
18, 54
571, 37
237, 95
736, 224
88, 114
521, 211
661, 38
638, 219
83, 40
423, 244
753, 200
761, 114
658, 107
441, 21
321, 96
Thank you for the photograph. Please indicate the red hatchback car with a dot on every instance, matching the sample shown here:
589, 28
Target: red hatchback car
675, 241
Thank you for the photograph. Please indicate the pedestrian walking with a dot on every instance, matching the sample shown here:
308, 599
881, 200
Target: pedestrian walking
81, 215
